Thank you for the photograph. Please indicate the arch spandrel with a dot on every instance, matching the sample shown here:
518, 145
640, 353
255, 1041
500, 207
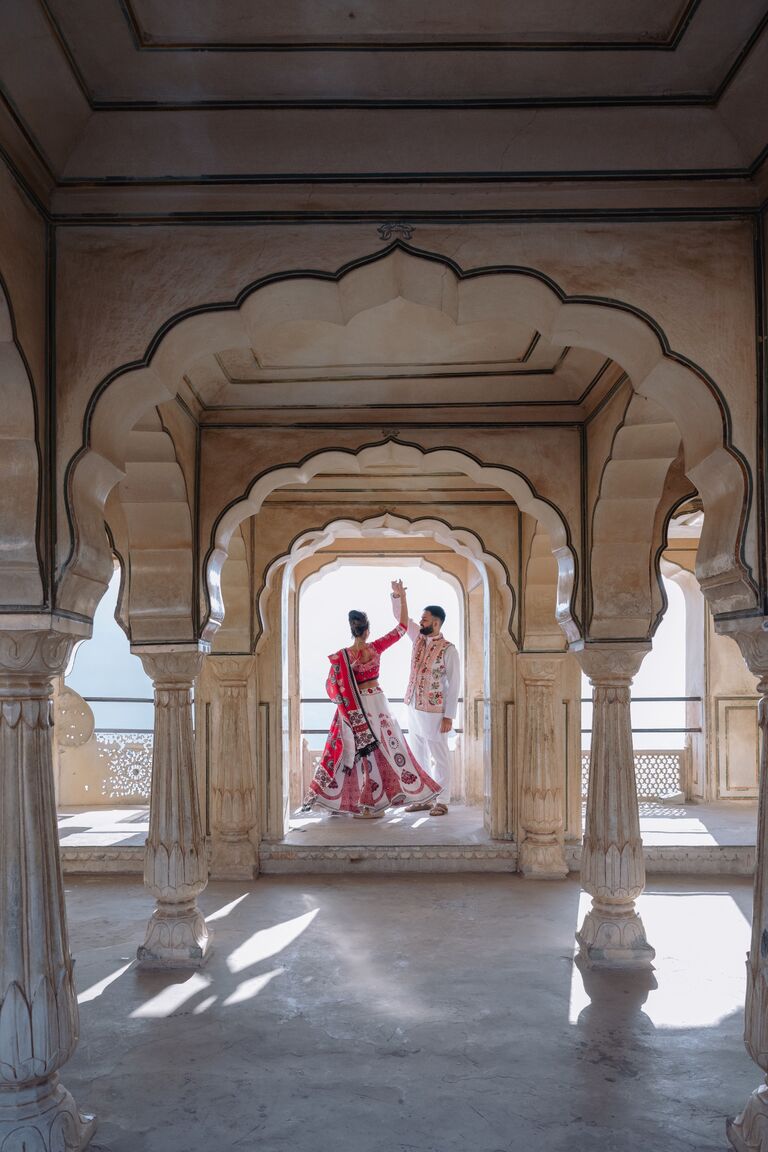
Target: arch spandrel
606, 326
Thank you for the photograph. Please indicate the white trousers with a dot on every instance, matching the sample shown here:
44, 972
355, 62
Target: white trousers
430, 747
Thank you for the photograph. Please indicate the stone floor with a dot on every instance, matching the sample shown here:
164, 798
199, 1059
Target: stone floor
731, 823
410, 1014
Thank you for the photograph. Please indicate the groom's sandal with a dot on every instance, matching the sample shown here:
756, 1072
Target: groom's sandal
419, 806
439, 809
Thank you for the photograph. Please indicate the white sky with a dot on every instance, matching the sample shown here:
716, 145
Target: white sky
323, 626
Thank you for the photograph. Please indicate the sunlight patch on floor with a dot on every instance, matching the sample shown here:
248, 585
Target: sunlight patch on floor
689, 994
269, 941
170, 999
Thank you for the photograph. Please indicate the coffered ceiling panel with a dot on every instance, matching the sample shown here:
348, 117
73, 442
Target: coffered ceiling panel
102, 94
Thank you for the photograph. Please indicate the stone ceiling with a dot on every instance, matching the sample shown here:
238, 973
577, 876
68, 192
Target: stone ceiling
399, 354
101, 98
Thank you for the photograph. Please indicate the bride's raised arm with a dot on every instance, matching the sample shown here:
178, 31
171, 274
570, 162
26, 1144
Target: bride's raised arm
398, 592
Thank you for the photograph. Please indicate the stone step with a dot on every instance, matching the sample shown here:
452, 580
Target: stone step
283, 859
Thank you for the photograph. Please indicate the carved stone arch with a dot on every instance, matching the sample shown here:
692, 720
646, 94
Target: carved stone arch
21, 579
160, 600
236, 632
406, 456
624, 578
461, 540
539, 627
610, 327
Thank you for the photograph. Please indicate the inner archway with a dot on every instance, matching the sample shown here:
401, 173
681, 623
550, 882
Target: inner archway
359, 575
484, 616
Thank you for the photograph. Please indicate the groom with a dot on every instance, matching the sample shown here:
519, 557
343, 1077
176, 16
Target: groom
432, 697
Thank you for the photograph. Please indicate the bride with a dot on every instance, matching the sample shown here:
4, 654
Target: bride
366, 765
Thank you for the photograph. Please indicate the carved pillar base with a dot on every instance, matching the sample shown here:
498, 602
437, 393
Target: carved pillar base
175, 863
613, 937
748, 1132
542, 859
177, 937
612, 865
43, 1118
234, 859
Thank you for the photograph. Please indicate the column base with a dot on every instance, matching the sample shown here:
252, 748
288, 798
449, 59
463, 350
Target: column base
542, 861
43, 1117
613, 936
234, 860
177, 937
748, 1132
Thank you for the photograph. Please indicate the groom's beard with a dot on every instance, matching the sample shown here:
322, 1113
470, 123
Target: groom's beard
427, 631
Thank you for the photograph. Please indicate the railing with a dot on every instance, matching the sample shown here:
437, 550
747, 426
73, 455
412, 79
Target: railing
329, 704
658, 773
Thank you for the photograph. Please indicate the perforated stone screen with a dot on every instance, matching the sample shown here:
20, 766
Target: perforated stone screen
657, 773
127, 762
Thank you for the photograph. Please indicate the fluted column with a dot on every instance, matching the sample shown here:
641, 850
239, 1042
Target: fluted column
748, 1132
542, 850
175, 864
612, 865
38, 1006
233, 790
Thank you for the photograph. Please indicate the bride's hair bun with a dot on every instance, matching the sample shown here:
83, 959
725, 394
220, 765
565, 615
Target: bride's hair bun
358, 623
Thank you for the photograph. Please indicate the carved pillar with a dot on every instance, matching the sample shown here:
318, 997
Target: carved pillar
175, 864
232, 788
542, 850
38, 1006
612, 865
748, 1132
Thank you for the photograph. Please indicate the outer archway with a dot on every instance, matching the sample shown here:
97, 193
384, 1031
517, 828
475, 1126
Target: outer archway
629, 336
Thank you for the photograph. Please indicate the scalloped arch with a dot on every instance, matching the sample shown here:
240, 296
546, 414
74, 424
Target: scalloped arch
392, 452
615, 329
461, 540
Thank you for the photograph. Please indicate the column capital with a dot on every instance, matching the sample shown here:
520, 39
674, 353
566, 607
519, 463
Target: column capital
538, 670
37, 647
230, 669
172, 665
751, 635
612, 664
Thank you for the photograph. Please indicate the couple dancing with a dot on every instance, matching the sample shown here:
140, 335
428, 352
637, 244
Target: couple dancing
366, 765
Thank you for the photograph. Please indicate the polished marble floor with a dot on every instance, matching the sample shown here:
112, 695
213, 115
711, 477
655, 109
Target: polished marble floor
410, 1014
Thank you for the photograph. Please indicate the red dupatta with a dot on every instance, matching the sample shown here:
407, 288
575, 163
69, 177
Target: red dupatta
342, 690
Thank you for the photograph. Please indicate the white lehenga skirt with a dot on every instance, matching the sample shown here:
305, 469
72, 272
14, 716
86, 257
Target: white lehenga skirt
389, 776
